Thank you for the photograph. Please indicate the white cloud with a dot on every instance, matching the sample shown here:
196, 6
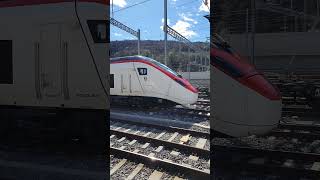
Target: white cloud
204, 7
183, 28
186, 18
117, 34
120, 3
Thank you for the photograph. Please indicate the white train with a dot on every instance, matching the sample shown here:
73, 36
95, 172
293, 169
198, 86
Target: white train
145, 79
45, 46
244, 101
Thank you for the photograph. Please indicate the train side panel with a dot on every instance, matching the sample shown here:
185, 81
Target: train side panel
154, 82
90, 56
159, 84
181, 94
49, 54
125, 80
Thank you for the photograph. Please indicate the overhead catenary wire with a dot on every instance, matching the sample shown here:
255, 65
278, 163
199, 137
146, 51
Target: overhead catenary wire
132, 6
183, 4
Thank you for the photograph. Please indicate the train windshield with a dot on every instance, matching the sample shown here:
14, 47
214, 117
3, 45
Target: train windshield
219, 43
227, 67
226, 48
164, 67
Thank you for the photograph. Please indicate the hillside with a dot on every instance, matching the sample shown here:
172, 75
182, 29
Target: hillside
155, 50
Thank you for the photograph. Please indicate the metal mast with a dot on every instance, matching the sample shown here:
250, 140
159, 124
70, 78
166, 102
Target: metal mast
165, 32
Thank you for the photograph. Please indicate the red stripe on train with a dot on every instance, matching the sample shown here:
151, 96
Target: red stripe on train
251, 77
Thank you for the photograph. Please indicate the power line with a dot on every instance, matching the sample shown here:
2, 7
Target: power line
132, 6
179, 5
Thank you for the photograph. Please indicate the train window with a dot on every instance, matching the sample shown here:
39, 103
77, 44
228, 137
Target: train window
111, 80
142, 71
6, 74
227, 67
99, 30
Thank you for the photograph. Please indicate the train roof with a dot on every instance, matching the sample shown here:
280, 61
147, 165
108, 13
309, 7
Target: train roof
130, 58
145, 59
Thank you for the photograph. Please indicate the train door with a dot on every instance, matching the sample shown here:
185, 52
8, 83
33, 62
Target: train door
129, 82
124, 83
49, 61
134, 83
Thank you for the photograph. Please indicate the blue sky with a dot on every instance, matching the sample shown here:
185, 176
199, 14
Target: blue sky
185, 16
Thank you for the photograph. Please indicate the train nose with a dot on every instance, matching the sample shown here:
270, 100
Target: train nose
264, 106
193, 96
190, 93
191, 88
262, 86
185, 83
253, 106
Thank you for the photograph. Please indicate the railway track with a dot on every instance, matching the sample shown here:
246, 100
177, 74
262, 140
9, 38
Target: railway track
134, 166
176, 109
295, 107
300, 113
159, 167
190, 111
203, 102
169, 148
190, 117
298, 134
309, 130
194, 141
301, 125
291, 151
261, 161
204, 95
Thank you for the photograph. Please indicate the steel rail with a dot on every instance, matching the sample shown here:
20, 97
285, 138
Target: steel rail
158, 142
167, 128
224, 157
169, 166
